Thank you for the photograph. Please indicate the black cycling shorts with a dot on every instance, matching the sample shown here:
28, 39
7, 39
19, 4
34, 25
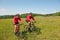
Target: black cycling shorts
16, 23
27, 21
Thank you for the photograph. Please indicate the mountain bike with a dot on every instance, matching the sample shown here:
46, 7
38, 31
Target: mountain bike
21, 34
32, 28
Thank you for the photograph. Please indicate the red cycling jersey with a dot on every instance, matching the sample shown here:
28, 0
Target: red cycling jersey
29, 17
15, 19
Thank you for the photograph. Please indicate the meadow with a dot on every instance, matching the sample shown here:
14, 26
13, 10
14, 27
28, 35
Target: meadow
50, 28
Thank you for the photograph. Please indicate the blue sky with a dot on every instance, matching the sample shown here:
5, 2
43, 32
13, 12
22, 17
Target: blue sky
8, 7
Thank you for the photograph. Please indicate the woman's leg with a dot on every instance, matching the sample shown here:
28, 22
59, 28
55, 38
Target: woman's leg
29, 27
16, 29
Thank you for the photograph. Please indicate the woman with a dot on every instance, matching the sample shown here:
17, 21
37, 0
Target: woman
16, 21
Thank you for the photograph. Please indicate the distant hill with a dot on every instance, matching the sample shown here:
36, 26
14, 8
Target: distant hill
34, 14
53, 14
22, 15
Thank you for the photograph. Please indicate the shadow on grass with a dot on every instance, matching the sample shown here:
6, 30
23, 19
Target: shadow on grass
28, 35
21, 35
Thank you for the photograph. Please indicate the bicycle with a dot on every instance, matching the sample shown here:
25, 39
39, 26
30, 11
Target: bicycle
21, 34
32, 28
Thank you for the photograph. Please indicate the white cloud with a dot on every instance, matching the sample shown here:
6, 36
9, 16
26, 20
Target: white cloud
2, 10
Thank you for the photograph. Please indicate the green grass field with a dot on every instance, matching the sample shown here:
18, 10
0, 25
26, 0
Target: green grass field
50, 29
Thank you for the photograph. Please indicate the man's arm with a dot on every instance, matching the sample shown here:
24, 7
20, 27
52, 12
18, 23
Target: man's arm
32, 19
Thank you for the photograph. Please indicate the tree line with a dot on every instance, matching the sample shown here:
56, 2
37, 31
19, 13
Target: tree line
25, 14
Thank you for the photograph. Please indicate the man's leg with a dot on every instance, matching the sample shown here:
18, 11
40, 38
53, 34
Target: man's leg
29, 27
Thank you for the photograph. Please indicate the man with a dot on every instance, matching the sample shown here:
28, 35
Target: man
29, 19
